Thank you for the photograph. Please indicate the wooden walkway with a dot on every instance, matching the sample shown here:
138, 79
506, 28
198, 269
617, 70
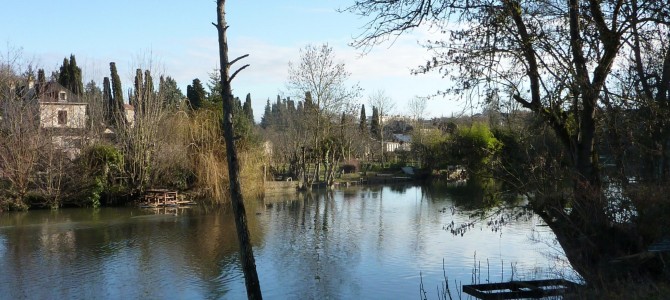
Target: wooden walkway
162, 198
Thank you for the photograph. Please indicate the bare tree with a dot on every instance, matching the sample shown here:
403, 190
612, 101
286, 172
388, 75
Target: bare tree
20, 135
318, 73
246, 251
416, 108
323, 81
385, 106
20, 144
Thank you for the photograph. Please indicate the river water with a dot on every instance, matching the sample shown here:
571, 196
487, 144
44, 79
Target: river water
355, 243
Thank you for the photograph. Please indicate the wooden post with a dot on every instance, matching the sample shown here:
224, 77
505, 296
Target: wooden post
246, 252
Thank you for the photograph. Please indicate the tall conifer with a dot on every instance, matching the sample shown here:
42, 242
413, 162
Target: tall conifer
76, 84
375, 129
69, 76
267, 115
117, 90
196, 94
363, 125
246, 108
138, 95
41, 81
64, 73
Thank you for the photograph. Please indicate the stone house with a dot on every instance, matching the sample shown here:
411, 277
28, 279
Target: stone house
398, 142
63, 117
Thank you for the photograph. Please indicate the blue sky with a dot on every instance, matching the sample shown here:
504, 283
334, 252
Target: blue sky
180, 41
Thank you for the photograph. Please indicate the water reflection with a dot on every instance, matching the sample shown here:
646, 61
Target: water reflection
370, 242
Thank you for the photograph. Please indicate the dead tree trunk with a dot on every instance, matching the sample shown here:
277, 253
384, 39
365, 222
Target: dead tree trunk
246, 250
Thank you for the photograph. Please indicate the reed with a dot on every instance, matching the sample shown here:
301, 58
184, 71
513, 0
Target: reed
195, 150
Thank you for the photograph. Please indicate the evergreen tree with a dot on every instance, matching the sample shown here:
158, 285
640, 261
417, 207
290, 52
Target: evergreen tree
300, 109
274, 112
309, 107
170, 92
144, 90
69, 76
108, 100
214, 86
64, 73
92, 92
148, 84
76, 82
41, 81
117, 90
190, 97
267, 116
237, 106
290, 107
243, 125
363, 125
375, 129
148, 92
247, 110
196, 94
279, 118
138, 91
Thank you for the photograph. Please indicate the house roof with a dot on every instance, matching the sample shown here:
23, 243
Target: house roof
51, 93
402, 138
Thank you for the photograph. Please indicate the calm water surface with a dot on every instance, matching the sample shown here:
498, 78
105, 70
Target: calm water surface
359, 243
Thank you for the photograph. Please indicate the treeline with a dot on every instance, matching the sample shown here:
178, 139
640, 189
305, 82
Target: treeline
144, 138
293, 128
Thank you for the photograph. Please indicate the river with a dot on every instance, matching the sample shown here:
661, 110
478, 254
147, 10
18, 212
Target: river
355, 243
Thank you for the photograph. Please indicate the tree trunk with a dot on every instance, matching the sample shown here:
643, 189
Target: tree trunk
246, 251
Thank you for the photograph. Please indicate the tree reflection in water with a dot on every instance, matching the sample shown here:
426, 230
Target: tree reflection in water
362, 242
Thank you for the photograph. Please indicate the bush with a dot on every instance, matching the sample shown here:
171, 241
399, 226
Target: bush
475, 147
99, 167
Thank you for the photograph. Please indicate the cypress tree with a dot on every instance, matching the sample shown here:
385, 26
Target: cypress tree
64, 73
267, 115
363, 125
138, 95
41, 82
309, 104
69, 76
117, 90
148, 87
274, 113
238, 105
199, 91
375, 129
290, 107
148, 82
108, 100
76, 84
300, 108
248, 111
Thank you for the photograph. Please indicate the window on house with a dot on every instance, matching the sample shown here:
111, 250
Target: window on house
62, 117
62, 96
